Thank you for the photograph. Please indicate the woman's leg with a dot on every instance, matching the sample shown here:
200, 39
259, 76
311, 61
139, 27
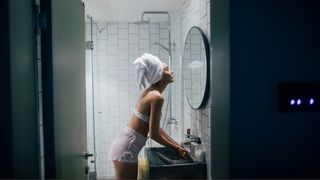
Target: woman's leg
125, 170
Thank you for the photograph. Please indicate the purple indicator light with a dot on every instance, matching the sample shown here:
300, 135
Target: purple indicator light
292, 102
311, 102
298, 101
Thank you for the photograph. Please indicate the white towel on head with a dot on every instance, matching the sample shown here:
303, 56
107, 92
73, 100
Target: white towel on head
149, 69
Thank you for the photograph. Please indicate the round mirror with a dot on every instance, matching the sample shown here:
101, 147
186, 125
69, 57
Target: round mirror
195, 64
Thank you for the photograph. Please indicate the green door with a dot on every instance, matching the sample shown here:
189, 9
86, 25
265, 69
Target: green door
68, 88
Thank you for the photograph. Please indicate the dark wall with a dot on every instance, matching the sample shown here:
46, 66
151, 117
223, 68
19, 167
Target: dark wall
6, 170
272, 41
23, 99
18, 125
220, 89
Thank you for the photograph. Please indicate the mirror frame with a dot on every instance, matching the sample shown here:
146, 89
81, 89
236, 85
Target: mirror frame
207, 86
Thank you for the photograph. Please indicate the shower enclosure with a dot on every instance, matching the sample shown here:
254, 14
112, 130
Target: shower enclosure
90, 91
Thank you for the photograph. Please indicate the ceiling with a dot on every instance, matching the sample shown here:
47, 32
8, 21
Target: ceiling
128, 10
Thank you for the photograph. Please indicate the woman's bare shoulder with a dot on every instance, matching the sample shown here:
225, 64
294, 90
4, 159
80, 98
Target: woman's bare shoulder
155, 96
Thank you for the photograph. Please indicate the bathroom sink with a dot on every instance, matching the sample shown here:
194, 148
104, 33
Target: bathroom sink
164, 163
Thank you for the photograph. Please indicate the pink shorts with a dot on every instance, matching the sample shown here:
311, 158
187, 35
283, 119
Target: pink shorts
126, 147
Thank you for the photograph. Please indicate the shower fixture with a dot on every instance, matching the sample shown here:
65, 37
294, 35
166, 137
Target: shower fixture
165, 48
143, 21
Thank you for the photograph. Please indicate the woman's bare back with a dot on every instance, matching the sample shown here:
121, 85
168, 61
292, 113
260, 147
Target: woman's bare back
143, 106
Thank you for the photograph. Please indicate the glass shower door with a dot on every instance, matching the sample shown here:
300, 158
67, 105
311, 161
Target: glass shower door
90, 91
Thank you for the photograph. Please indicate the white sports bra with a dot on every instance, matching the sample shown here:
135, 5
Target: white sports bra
142, 117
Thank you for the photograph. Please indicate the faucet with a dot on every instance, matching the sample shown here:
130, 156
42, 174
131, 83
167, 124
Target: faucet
193, 146
191, 138
188, 139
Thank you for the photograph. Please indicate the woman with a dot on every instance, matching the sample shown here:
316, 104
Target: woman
145, 119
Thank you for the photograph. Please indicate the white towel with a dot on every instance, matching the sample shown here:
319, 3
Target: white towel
149, 69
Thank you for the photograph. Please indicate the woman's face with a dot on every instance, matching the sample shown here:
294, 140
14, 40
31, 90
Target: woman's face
167, 74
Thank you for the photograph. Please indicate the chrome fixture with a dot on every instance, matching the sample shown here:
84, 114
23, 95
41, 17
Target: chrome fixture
165, 48
143, 21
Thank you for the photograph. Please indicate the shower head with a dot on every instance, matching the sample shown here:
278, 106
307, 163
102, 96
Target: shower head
142, 22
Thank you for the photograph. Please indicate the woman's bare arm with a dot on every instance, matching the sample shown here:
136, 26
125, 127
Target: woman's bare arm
156, 132
168, 137
154, 129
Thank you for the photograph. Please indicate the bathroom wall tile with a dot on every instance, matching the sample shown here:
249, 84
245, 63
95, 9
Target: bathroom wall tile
164, 56
123, 67
144, 44
164, 33
114, 111
203, 24
133, 39
112, 60
102, 34
123, 73
155, 28
104, 158
144, 33
133, 49
123, 44
142, 51
112, 39
102, 44
113, 73
209, 32
208, 12
123, 25
132, 57
124, 92
123, 34
163, 25
123, 54
204, 125
112, 50
143, 26
203, 8
87, 28
133, 28
154, 38
164, 41
112, 28
155, 50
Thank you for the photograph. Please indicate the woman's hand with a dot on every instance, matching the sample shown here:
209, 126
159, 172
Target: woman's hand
183, 153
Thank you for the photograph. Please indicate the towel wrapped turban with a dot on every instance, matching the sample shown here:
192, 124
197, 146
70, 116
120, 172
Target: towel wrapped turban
149, 69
